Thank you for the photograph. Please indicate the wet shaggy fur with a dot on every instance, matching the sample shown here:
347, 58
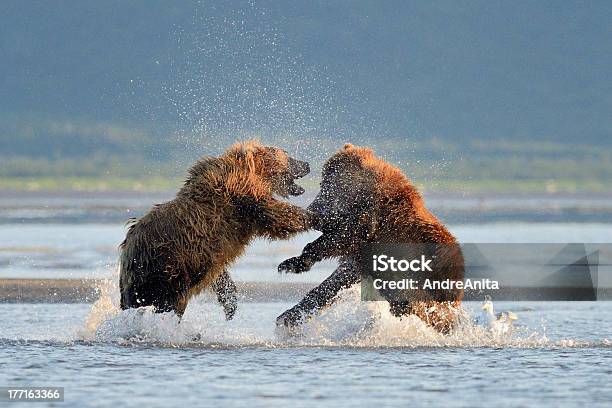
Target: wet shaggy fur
364, 200
185, 245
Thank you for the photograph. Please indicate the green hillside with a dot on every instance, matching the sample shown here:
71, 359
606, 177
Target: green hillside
104, 157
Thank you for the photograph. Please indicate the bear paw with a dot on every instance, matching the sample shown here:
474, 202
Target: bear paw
294, 265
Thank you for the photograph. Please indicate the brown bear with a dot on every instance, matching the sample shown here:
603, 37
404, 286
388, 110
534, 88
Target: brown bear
364, 200
185, 245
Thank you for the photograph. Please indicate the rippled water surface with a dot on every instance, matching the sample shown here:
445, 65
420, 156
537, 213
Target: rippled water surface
355, 354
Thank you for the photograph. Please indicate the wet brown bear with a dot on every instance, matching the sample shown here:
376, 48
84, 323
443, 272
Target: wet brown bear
185, 245
364, 200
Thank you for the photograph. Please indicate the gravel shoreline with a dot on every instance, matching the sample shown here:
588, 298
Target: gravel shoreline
88, 291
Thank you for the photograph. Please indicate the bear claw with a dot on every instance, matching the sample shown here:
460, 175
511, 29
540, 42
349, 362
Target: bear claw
293, 265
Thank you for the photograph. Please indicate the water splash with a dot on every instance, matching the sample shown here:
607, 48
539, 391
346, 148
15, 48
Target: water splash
351, 322
103, 309
144, 325
348, 323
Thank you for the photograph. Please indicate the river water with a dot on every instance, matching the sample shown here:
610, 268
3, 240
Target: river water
354, 354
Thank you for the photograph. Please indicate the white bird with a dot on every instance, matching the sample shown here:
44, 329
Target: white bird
499, 324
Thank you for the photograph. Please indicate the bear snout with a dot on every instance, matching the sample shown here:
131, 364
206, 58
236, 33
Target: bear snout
298, 168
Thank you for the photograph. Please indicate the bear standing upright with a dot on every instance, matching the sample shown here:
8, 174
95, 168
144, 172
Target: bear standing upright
185, 245
365, 200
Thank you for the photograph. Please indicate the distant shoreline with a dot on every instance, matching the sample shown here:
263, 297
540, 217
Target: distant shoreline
88, 291
116, 206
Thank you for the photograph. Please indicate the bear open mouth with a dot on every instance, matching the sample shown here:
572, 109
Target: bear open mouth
297, 170
293, 189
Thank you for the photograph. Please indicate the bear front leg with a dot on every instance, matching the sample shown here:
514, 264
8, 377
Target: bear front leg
345, 276
326, 246
280, 220
272, 218
225, 288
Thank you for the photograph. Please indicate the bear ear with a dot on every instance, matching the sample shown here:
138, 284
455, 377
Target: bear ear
359, 151
245, 149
